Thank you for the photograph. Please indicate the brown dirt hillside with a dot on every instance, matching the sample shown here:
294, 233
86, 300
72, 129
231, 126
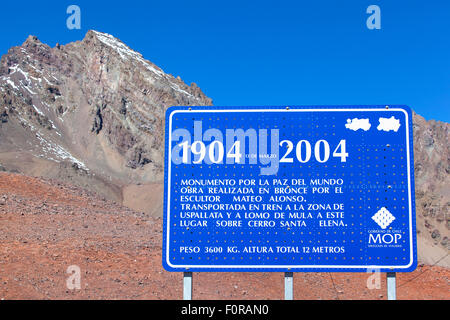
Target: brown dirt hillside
47, 226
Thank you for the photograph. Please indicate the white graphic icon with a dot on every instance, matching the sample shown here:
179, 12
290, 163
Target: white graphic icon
374, 20
356, 124
383, 218
388, 124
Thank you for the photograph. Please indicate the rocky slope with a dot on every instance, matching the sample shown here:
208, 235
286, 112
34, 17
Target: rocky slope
89, 112
47, 226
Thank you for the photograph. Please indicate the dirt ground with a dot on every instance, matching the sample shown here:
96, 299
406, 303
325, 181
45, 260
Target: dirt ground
47, 226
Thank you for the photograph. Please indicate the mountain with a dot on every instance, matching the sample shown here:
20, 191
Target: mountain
91, 113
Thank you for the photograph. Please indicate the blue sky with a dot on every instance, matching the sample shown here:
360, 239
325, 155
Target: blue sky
271, 52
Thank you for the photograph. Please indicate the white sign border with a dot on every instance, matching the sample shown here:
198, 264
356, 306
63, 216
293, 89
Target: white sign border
411, 250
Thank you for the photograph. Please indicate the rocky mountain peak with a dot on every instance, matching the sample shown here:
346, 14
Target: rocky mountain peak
432, 181
91, 113
31, 40
93, 105
32, 44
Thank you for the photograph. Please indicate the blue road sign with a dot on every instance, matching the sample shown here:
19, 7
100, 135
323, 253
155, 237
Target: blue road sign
289, 189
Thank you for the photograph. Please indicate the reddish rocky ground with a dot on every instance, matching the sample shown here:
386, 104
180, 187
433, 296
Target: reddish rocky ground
46, 226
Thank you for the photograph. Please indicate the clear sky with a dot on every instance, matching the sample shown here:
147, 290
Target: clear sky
313, 52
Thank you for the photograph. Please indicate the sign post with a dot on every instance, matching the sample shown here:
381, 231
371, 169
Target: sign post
391, 286
289, 189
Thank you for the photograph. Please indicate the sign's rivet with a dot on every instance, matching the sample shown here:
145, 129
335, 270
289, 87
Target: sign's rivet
387, 107
287, 108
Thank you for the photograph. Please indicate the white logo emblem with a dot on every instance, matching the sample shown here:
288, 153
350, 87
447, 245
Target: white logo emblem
383, 218
388, 124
